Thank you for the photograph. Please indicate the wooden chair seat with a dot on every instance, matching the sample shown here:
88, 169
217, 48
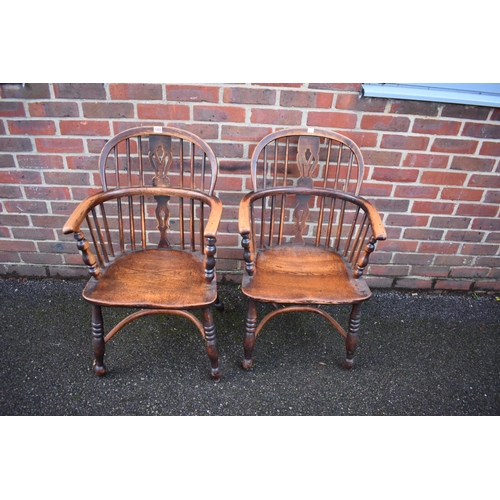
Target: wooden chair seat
151, 279
303, 275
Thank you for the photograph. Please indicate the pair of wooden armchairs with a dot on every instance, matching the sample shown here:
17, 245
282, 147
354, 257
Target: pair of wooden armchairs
306, 234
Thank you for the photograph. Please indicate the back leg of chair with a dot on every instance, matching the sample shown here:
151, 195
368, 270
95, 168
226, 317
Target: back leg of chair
98, 340
249, 340
211, 342
351, 341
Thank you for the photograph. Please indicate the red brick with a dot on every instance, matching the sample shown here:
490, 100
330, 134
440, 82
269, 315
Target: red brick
47, 193
206, 131
9, 257
305, 99
375, 189
478, 210
430, 271
453, 260
488, 181
443, 178
290, 85
9, 192
414, 108
486, 224
472, 163
7, 161
438, 248
108, 110
397, 246
241, 133
135, 91
490, 149
29, 91
59, 145
241, 95
32, 127
454, 146
461, 111
394, 174
404, 142
432, 207
492, 197
355, 103
26, 206
276, 116
461, 194
385, 122
66, 178
487, 285
453, 285
406, 220
376, 282
331, 119
423, 234
79, 91
436, 127
40, 161
413, 284
353, 87
17, 246
389, 270
416, 192
362, 139
451, 222
13, 144
418, 259
82, 162
474, 236
481, 130
422, 160
33, 233
84, 127
390, 205
219, 113
383, 158
13, 219
53, 109
163, 111
19, 177
192, 93
42, 258
479, 249
12, 108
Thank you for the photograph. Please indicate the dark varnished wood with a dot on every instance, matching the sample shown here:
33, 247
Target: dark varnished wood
306, 233
150, 241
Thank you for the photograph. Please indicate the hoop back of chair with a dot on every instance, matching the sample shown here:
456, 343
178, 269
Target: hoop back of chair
159, 157
307, 157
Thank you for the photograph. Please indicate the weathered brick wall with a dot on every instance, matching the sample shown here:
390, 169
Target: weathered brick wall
433, 169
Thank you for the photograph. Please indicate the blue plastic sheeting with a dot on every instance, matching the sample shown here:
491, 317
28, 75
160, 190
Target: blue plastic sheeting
476, 94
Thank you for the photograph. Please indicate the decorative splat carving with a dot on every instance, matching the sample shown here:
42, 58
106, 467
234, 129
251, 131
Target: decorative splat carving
307, 161
160, 155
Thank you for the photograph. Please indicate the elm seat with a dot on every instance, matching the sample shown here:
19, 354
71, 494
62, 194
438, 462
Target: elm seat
323, 277
151, 233
152, 279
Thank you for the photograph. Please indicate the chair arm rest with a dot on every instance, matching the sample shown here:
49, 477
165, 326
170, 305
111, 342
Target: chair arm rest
245, 230
376, 223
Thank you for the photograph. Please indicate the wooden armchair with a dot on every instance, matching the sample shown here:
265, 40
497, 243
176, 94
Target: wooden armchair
153, 232
306, 234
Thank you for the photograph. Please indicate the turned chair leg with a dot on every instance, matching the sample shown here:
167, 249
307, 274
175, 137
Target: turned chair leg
351, 341
218, 304
249, 340
98, 340
211, 342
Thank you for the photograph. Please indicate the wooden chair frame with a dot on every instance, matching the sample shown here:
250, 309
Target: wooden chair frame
123, 263
341, 237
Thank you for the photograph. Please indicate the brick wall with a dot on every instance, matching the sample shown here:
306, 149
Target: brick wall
433, 169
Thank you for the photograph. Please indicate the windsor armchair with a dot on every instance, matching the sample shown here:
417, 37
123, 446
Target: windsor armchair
307, 235
153, 232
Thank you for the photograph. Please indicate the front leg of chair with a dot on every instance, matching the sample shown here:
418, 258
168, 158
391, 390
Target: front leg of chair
249, 340
351, 341
211, 342
98, 340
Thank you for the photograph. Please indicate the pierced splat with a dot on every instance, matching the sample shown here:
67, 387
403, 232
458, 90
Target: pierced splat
160, 155
307, 161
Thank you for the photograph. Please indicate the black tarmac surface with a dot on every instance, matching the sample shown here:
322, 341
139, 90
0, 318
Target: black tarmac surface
419, 354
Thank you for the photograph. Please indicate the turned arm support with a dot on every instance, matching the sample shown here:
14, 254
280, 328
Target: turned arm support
378, 234
210, 237
244, 227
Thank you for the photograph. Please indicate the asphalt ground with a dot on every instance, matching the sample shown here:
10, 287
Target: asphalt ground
419, 354
425, 361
